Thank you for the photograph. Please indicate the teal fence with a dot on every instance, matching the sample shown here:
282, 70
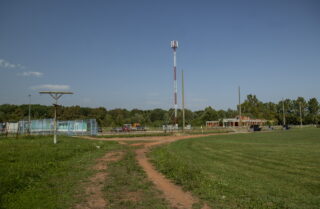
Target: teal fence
46, 127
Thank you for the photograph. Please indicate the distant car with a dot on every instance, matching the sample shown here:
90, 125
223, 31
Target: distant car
255, 128
285, 127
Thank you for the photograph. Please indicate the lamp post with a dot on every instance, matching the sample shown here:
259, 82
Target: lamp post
284, 117
56, 96
29, 115
300, 115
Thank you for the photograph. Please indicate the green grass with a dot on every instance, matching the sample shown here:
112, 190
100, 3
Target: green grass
127, 186
260, 170
35, 173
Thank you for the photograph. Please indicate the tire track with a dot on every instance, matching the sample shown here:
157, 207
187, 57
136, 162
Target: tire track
93, 189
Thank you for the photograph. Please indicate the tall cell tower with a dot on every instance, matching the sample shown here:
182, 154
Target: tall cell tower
174, 46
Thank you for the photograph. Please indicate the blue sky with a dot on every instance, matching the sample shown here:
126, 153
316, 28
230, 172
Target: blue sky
117, 53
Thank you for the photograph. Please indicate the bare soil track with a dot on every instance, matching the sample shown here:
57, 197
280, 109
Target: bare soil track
94, 197
173, 193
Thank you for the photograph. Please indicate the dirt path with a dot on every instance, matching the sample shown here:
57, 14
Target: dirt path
173, 193
93, 189
156, 139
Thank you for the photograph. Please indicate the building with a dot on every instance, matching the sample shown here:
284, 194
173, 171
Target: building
211, 124
245, 121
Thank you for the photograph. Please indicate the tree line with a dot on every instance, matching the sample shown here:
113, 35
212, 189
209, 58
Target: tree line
252, 107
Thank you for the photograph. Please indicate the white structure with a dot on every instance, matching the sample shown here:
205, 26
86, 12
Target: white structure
170, 127
245, 121
8, 127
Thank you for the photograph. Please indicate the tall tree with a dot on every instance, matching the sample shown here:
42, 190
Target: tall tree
313, 107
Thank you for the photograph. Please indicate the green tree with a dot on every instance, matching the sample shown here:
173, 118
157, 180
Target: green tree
209, 114
313, 108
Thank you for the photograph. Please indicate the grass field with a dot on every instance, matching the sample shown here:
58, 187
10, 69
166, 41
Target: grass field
35, 173
261, 170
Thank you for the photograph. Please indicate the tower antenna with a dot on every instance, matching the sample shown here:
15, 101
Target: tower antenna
174, 46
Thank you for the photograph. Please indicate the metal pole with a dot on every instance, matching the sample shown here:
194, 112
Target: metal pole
29, 116
300, 115
55, 122
284, 117
55, 95
183, 114
240, 119
175, 85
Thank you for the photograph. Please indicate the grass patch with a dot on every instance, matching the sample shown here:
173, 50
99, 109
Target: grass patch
260, 170
35, 173
127, 186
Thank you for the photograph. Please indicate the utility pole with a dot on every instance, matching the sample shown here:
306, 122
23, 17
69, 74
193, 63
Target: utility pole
300, 115
29, 115
56, 96
240, 119
183, 114
284, 117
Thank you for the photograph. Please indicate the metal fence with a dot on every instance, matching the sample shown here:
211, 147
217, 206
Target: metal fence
46, 127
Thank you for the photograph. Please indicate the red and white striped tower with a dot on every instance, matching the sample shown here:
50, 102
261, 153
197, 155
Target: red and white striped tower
174, 46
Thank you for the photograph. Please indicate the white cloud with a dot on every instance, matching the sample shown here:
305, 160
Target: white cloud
31, 73
51, 87
7, 65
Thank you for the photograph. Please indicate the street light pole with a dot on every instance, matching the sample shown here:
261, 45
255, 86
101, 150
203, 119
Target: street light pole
284, 117
56, 96
29, 115
55, 121
300, 115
